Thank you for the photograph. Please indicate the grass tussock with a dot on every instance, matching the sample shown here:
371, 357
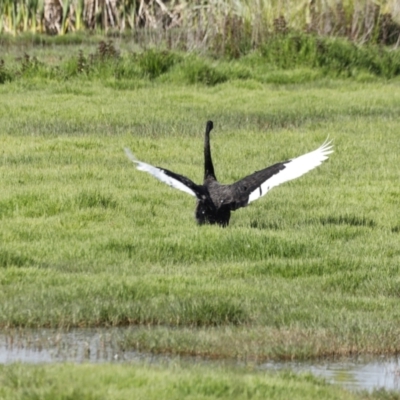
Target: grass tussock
9, 258
258, 345
94, 199
352, 220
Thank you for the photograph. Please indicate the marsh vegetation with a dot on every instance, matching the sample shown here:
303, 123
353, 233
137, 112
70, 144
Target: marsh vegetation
222, 26
311, 270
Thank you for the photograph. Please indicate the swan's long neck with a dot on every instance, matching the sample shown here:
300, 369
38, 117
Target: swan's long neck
208, 164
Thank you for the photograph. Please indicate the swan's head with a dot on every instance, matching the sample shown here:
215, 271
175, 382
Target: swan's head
209, 126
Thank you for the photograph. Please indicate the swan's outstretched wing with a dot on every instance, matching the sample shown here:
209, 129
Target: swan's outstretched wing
258, 184
170, 178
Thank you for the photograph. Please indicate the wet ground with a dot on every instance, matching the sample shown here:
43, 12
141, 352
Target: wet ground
103, 345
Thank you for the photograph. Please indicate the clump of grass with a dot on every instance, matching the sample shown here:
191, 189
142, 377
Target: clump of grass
31, 67
91, 199
196, 70
5, 75
351, 220
13, 259
106, 62
257, 224
336, 56
154, 63
102, 63
211, 312
260, 344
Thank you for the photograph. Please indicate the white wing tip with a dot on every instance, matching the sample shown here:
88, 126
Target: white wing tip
130, 155
325, 149
327, 145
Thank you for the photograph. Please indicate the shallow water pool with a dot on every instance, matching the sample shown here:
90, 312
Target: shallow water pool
103, 345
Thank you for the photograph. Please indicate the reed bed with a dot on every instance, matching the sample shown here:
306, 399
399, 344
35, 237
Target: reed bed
236, 25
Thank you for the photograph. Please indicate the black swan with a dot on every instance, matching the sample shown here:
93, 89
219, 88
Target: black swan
215, 201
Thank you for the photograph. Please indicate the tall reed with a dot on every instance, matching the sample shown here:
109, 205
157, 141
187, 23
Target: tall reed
230, 26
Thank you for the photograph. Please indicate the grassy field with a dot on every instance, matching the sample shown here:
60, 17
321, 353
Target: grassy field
310, 270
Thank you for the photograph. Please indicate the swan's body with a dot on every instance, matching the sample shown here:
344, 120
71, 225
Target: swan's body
215, 201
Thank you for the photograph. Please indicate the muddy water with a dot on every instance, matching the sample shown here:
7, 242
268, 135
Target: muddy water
103, 345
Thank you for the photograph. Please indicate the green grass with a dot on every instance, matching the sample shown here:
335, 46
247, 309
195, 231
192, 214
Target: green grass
154, 382
310, 270
87, 240
281, 59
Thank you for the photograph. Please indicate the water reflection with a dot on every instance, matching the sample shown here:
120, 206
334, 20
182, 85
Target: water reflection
103, 345
78, 345
354, 374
